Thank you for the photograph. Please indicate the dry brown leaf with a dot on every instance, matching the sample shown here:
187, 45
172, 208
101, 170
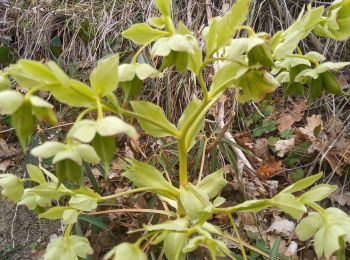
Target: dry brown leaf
261, 148
283, 227
285, 122
298, 110
269, 169
342, 198
5, 150
284, 146
312, 122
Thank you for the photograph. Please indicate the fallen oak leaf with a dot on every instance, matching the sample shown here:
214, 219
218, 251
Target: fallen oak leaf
284, 146
283, 227
313, 122
285, 122
269, 169
342, 198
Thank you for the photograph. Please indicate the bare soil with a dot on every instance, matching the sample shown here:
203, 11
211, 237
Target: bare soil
22, 235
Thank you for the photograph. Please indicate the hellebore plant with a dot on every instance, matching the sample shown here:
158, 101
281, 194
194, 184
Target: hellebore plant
254, 66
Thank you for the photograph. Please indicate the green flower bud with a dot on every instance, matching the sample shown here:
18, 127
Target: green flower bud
65, 248
255, 85
126, 251
12, 187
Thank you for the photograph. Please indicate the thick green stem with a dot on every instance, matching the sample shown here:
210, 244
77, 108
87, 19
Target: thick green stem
84, 113
113, 196
99, 107
183, 161
203, 86
320, 210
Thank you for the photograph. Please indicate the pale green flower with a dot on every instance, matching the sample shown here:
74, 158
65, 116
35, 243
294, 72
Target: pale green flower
12, 187
68, 248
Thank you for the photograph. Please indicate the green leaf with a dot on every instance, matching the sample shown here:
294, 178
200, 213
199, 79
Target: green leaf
227, 75
174, 243
308, 226
179, 225
144, 175
68, 169
75, 94
35, 173
142, 33
51, 190
153, 113
132, 88
193, 200
251, 206
126, 251
267, 126
104, 78
227, 26
275, 249
255, 85
335, 24
53, 213
97, 222
317, 193
287, 41
213, 183
164, 6
23, 121
159, 22
48, 149
105, 147
289, 204
196, 126
83, 202
30, 74
302, 184
10, 101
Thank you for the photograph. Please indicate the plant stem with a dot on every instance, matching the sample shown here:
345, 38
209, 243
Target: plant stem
99, 107
320, 210
202, 85
244, 255
156, 211
68, 230
170, 26
248, 29
183, 161
84, 113
125, 193
32, 91
245, 244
